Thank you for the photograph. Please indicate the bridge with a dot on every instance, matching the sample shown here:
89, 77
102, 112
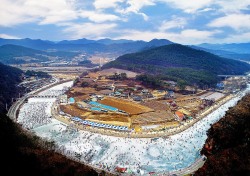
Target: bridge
43, 96
12, 113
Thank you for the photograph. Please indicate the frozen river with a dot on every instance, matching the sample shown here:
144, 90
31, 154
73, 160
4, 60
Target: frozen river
138, 155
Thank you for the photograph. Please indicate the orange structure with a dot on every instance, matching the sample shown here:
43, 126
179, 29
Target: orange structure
179, 115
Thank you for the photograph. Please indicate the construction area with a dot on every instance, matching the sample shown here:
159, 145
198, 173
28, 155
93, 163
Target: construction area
109, 99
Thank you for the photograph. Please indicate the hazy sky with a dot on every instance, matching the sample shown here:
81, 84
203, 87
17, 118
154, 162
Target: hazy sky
182, 21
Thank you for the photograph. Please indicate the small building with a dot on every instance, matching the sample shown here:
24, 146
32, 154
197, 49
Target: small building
185, 112
99, 97
145, 91
71, 100
158, 93
180, 115
63, 98
94, 98
137, 98
82, 104
220, 85
147, 95
121, 169
169, 94
171, 83
117, 93
105, 92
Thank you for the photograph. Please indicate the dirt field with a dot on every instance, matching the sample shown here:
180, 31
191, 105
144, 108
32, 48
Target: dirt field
80, 93
127, 106
65, 76
111, 71
113, 119
156, 104
192, 105
153, 118
73, 110
95, 59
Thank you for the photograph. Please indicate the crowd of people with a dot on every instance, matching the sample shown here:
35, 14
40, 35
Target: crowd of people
34, 114
139, 155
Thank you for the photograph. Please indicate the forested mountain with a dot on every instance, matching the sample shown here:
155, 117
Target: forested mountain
15, 54
9, 78
122, 46
10, 53
228, 146
30, 43
176, 61
25, 154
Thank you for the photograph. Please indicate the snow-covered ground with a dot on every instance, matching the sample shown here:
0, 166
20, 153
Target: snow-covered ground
139, 155
34, 114
37, 111
57, 90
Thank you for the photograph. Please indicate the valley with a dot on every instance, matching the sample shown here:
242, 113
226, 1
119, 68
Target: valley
164, 102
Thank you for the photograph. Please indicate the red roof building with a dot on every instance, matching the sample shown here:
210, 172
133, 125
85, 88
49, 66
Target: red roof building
179, 115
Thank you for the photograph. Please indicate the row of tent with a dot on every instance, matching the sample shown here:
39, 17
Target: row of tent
100, 125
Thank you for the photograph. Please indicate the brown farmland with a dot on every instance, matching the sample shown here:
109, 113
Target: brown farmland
127, 106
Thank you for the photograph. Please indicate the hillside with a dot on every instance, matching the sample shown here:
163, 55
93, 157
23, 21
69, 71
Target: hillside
21, 153
180, 62
228, 146
15, 54
9, 78
29, 43
10, 53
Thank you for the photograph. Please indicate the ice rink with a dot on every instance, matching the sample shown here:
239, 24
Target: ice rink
138, 155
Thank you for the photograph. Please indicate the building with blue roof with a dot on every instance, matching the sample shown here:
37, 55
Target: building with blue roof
71, 100
102, 106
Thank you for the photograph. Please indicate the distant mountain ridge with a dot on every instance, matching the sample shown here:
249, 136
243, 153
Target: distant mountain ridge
239, 51
84, 41
180, 62
225, 53
242, 48
122, 46
12, 48
102, 45
15, 54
